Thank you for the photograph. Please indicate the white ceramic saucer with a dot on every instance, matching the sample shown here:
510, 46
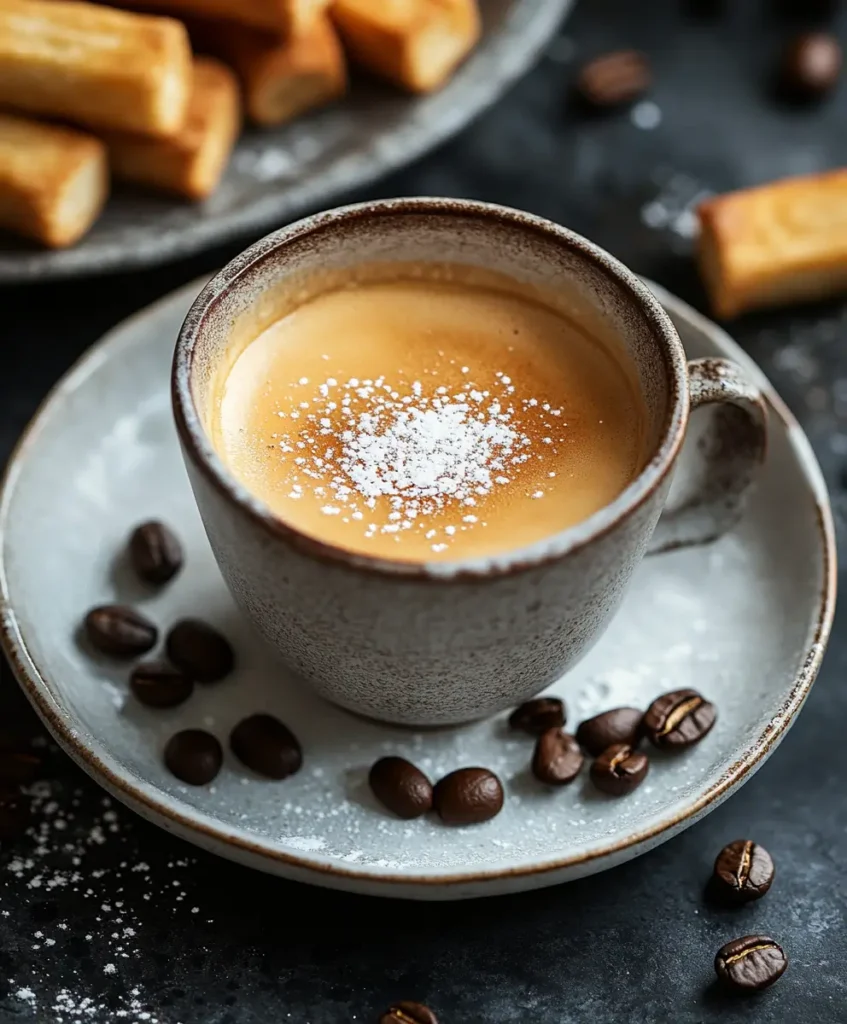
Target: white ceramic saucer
745, 621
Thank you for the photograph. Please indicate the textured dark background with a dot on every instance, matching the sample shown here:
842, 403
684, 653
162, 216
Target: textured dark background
105, 918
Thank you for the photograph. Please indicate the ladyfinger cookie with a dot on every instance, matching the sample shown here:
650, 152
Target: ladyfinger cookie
53, 181
94, 65
280, 16
776, 244
417, 44
281, 77
192, 162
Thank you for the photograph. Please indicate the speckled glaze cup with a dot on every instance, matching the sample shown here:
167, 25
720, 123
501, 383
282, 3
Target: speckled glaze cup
444, 643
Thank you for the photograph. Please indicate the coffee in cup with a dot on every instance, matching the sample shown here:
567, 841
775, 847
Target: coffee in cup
416, 412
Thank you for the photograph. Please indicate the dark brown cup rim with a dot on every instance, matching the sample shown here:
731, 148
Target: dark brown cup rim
197, 445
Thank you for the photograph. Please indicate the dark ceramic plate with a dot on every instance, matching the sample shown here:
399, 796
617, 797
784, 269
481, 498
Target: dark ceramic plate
278, 174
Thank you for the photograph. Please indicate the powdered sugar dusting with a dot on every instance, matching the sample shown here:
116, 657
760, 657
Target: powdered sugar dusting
426, 451
305, 842
674, 207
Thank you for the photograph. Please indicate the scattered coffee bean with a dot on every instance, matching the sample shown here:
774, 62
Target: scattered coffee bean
614, 79
194, 756
200, 650
14, 812
18, 763
751, 963
811, 65
557, 759
159, 685
468, 796
620, 770
407, 1012
620, 725
266, 746
744, 871
539, 715
120, 631
401, 787
155, 552
679, 719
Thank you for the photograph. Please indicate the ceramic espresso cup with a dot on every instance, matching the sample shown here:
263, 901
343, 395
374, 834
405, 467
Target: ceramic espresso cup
445, 643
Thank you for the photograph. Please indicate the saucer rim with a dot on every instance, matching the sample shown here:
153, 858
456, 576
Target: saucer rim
206, 831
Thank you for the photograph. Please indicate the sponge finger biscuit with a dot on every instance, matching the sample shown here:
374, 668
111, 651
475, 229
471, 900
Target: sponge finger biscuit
53, 181
94, 65
416, 44
281, 77
191, 163
775, 244
281, 16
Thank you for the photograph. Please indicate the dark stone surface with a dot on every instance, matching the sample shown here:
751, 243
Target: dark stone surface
635, 944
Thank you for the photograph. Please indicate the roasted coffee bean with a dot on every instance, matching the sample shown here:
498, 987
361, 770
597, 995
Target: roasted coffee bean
194, 756
200, 651
14, 812
619, 770
468, 796
120, 631
614, 79
266, 746
155, 552
620, 725
407, 1012
811, 65
401, 787
679, 719
744, 871
159, 685
557, 759
537, 716
751, 964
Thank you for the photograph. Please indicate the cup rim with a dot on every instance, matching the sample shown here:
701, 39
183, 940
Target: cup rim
197, 444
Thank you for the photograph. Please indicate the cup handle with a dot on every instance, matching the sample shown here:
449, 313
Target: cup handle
731, 450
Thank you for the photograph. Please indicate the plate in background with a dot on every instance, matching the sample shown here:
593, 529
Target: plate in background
276, 174
744, 620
